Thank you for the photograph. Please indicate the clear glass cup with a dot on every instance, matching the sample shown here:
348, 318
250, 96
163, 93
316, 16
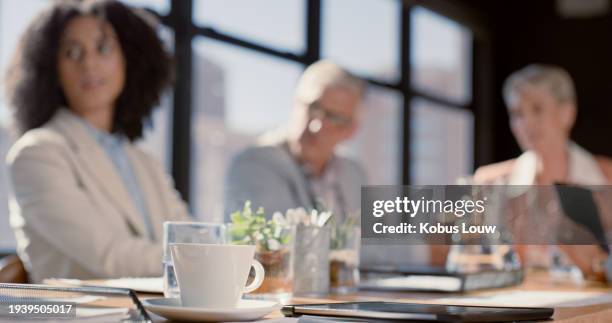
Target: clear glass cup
186, 232
275, 250
344, 259
312, 248
473, 253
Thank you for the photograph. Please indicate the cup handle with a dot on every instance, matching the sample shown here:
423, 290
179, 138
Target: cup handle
259, 277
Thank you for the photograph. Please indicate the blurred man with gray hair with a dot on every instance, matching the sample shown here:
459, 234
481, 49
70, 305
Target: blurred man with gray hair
299, 166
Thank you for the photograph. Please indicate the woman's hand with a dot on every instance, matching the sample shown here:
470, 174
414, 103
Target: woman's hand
589, 258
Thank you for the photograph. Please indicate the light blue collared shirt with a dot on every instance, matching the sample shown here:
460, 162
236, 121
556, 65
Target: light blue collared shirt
113, 145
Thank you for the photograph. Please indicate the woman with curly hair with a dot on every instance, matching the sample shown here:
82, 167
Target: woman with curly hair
87, 202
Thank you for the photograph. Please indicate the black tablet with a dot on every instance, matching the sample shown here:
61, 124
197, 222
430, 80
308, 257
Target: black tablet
579, 205
390, 311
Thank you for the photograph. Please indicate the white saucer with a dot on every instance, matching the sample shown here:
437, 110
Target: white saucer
247, 310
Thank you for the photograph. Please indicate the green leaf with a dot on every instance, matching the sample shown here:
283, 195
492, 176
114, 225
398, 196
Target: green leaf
285, 239
237, 217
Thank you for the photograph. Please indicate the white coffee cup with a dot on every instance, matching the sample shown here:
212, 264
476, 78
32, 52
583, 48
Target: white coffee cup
214, 275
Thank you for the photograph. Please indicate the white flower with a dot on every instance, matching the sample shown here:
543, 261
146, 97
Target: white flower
291, 216
278, 217
296, 216
301, 216
323, 218
277, 232
313, 217
273, 245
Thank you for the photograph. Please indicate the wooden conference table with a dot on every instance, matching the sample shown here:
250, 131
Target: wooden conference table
573, 301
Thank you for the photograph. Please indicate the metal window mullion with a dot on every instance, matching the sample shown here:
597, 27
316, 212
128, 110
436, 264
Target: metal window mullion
180, 19
313, 31
209, 32
405, 29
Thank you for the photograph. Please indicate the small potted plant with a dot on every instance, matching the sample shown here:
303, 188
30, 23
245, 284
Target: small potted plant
273, 239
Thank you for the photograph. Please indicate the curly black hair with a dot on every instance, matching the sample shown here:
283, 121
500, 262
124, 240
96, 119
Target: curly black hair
33, 86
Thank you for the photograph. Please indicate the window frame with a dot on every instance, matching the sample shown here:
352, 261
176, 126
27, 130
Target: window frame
180, 20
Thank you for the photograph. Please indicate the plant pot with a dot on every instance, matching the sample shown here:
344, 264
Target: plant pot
279, 274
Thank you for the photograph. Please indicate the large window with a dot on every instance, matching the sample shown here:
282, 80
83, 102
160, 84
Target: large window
237, 95
14, 18
441, 125
377, 144
364, 36
441, 141
243, 86
417, 121
371, 51
441, 56
281, 23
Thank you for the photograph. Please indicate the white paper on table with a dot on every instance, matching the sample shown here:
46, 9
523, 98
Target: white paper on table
531, 299
277, 320
78, 300
85, 312
154, 285
441, 283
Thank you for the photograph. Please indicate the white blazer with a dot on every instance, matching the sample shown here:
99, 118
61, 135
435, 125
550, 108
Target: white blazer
71, 213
